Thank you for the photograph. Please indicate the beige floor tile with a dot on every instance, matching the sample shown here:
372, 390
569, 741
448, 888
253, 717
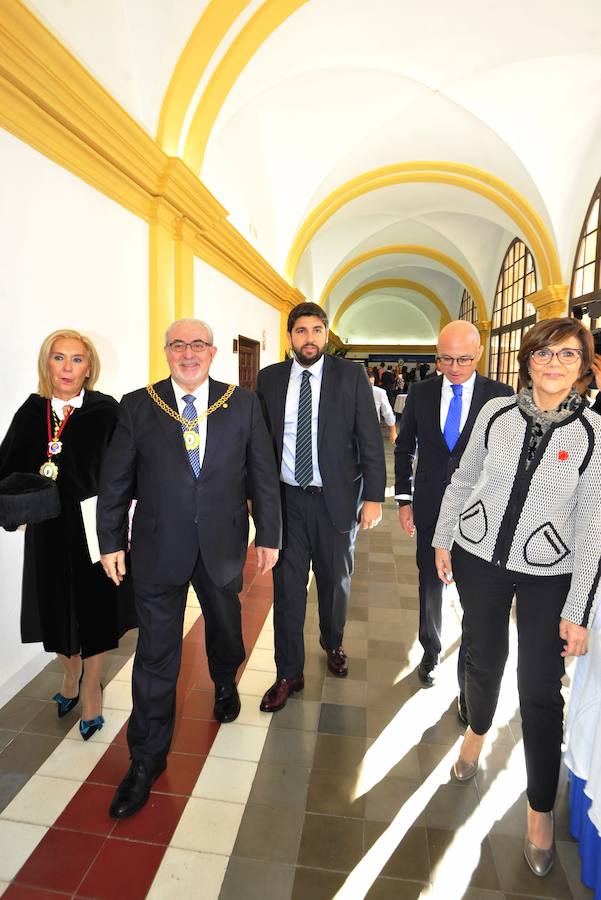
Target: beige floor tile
254, 682
239, 742
250, 714
191, 614
114, 719
124, 673
183, 871
262, 661
265, 640
18, 840
73, 760
209, 826
225, 779
3, 886
41, 800
118, 695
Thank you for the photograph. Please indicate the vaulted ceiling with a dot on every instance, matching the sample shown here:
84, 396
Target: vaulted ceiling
381, 153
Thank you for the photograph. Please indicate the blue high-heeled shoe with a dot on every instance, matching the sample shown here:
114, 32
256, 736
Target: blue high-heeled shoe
66, 704
88, 727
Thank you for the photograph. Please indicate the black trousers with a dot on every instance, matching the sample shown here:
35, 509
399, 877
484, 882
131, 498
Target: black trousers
160, 610
309, 537
430, 605
487, 593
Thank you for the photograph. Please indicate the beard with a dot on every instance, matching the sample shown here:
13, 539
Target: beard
304, 360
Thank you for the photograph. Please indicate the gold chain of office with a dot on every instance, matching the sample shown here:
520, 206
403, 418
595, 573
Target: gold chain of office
191, 423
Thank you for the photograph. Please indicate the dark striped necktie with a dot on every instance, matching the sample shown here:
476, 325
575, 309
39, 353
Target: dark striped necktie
190, 414
303, 460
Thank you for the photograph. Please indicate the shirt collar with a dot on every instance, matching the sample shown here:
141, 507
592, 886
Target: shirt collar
467, 385
201, 392
316, 369
76, 402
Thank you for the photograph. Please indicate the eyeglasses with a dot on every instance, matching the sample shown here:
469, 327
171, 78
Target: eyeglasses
460, 360
568, 356
197, 346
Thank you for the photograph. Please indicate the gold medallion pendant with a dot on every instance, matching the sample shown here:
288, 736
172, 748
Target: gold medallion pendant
191, 440
49, 470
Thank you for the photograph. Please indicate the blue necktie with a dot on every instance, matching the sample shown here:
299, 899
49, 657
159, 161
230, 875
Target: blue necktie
452, 428
303, 458
190, 413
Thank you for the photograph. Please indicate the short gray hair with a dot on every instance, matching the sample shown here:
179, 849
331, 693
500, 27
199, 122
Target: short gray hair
205, 325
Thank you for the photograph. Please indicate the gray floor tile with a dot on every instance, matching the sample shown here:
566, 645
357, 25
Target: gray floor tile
316, 884
43, 686
484, 875
337, 753
345, 720
394, 889
26, 753
516, 877
345, 691
252, 879
410, 858
10, 785
15, 714
289, 747
333, 793
47, 722
331, 842
280, 785
270, 834
302, 715
6, 736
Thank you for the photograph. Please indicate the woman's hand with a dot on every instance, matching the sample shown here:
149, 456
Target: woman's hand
444, 568
596, 369
575, 636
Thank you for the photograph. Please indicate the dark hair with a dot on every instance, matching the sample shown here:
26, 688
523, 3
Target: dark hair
306, 309
554, 331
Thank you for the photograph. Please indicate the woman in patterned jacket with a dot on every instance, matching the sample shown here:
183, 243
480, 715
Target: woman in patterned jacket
522, 517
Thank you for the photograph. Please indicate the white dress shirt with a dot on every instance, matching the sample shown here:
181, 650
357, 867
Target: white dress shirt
201, 395
383, 407
291, 418
59, 405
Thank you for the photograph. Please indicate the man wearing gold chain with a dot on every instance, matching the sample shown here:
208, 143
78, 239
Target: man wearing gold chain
190, 450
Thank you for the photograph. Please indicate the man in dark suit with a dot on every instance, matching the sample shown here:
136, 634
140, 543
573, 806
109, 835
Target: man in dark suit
438, 417
321, 416
191, 450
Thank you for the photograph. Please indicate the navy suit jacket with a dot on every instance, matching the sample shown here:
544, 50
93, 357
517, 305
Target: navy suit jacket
420, 428
349, 441
178, 515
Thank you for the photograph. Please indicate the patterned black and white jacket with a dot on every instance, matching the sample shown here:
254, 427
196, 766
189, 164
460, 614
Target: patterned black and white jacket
544, 519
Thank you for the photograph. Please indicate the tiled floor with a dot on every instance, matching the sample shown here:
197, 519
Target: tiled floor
345, 793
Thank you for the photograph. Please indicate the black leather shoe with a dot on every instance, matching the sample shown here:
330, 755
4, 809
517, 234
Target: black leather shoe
337, 660
134, 790
462, 709
425, 675
277, 695
227, 702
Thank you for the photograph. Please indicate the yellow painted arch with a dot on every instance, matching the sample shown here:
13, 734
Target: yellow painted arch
260, 26
392, 283
415, 250
467, 177
211, 28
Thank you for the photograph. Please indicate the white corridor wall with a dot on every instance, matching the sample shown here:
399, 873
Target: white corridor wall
69, 258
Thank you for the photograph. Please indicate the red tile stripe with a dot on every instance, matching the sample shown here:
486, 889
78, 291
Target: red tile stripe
88, 854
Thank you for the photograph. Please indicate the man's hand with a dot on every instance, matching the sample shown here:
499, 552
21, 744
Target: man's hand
575, 636
267, 557
406, 519
114, 565
444, 567
392, 434
371, 514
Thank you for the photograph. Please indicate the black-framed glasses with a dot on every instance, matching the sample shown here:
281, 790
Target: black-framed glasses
460, 360
196, 346
568, 356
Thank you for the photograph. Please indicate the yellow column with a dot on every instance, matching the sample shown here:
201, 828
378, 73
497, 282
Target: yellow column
284, 330
161, 294
183, 265
550, 301
483, 327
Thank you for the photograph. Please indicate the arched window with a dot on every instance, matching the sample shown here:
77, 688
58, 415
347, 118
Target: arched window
468, 309
512, 314
586, 277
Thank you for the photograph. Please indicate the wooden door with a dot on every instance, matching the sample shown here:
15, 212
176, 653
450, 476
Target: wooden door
248, 362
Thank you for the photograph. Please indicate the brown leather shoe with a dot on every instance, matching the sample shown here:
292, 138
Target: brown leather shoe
277, 695
337, 660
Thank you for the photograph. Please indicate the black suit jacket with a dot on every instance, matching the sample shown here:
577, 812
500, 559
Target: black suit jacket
349, 441
420, 427
176, 514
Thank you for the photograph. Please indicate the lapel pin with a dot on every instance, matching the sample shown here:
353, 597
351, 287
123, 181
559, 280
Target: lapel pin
563, 454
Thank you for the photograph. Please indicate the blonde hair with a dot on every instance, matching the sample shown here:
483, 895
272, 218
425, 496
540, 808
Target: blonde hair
44, 382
